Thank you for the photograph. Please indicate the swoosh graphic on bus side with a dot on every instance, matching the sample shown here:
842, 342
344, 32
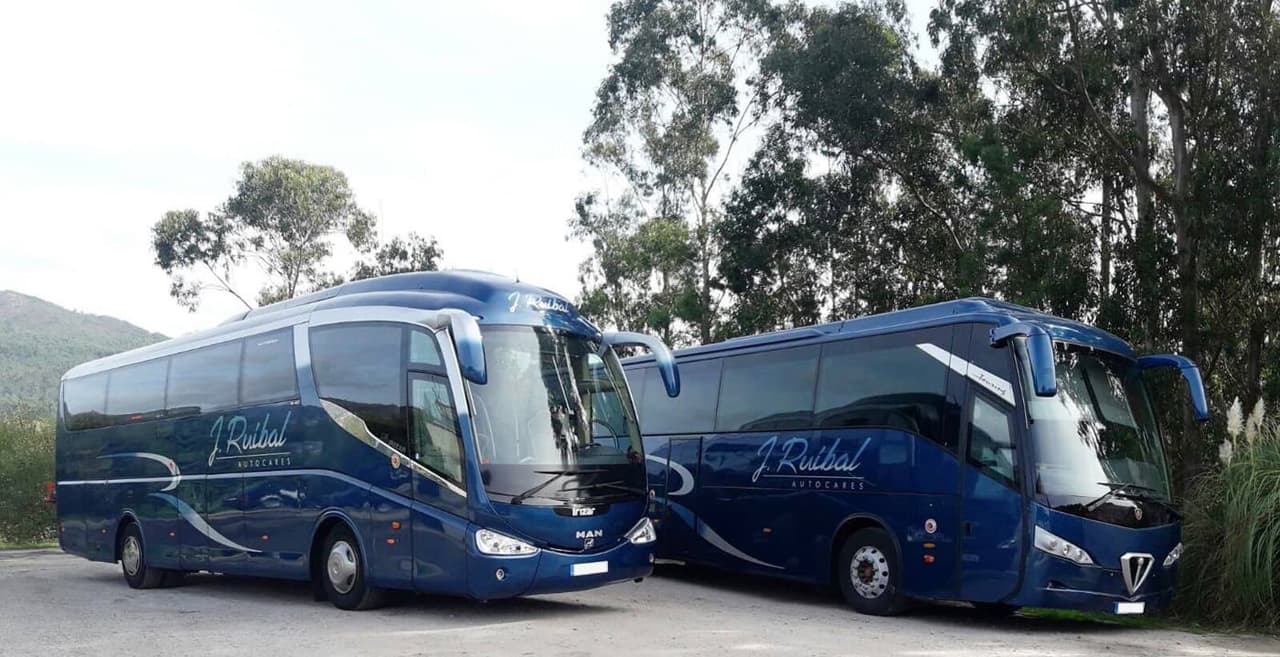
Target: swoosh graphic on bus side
189, 514
714, 538
686, 477
175, 474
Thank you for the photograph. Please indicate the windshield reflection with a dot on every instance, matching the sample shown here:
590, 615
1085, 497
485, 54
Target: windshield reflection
553, 401
1098, 432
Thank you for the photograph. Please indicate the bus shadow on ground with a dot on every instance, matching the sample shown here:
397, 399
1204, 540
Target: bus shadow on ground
959, 614
244, 589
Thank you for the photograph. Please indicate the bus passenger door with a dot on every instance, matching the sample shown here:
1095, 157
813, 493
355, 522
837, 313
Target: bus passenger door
439, 524
991, 535
678, 529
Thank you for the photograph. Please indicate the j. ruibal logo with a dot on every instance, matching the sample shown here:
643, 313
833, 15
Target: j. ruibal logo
538, 303
831, 467
259, 445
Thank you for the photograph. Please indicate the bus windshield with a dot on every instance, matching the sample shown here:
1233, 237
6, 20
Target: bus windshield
554, 406
1098, 435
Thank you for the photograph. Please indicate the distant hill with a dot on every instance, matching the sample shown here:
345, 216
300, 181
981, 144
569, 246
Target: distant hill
39, 341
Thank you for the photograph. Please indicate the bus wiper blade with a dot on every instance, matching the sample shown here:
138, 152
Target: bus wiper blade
557, 474
1132, 491
616, 485
1122, 486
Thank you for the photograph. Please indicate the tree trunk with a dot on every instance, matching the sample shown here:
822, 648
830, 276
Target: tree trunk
1147, 303
1104, 243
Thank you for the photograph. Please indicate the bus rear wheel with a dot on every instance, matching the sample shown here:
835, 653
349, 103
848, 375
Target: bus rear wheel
870, 573
343, 573
133, 560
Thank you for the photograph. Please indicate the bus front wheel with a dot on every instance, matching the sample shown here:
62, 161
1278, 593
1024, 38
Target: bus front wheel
870, 573
133, 560
343, 573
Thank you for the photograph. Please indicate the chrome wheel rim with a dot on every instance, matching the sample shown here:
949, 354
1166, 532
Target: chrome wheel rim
869, 572
342, 567
131, 556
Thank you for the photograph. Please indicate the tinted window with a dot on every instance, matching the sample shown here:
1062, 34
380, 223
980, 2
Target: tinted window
996, 360
991, 441
84, 401
359, 368
204, 380
886, 381
136, 392
768, 391
693, 411
435, 426
423, 349
268, 373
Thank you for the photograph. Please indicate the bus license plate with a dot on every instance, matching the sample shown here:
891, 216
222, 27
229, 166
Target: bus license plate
1131, 607
589, 568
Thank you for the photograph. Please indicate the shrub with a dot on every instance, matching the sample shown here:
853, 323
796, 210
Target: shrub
26, 465
1229, 574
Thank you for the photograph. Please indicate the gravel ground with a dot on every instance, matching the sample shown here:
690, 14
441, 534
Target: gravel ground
54, 604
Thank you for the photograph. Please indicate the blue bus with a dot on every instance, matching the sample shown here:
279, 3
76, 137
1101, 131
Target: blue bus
446, 432
972, 451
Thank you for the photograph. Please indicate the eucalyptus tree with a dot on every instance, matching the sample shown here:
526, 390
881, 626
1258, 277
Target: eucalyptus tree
667, 120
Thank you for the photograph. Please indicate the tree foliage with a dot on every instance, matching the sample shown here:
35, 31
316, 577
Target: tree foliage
286, 217
1111, 161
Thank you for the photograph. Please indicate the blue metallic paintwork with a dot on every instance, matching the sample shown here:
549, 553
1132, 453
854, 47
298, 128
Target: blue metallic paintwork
975, 310
1053, 582
1195, 385
791, 522
797, 530
272, 506
1039, 350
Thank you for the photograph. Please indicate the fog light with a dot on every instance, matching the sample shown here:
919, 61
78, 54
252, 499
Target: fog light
500, 574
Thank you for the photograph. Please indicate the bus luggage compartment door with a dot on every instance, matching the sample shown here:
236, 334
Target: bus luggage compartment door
678, 527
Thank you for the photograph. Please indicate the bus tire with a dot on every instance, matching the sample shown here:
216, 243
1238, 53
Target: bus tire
133, 560
870, 573
343, 572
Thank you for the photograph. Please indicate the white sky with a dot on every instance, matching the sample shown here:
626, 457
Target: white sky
461, 120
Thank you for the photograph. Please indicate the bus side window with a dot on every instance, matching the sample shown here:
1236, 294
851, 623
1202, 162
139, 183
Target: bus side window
204, 380
423, 350
886, 381
84, 402
435, 425
991, 445
768, 390
694, 411
268, 373
136, 392
360, 368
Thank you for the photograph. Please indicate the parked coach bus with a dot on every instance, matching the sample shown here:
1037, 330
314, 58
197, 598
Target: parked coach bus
456, 433
971, 450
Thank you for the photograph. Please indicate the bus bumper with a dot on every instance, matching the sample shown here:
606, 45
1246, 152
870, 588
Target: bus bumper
1059, 584
551, 571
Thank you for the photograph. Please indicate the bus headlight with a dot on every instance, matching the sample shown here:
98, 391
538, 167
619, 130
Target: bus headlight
1174, 555
501, 545
643, 532
1059, 547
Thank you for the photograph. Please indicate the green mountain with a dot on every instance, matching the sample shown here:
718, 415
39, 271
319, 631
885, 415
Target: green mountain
39, 341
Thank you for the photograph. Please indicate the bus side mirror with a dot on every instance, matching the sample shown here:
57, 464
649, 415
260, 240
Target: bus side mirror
469, 343
1191, 373
661, 355
1044, 378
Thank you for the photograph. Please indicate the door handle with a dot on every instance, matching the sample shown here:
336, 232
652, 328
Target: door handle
968, 528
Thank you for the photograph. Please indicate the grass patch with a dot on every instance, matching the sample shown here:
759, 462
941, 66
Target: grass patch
4, 545
1139, 621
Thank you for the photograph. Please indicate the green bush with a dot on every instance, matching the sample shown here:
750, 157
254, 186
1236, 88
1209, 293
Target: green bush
26, 465
1229, 574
